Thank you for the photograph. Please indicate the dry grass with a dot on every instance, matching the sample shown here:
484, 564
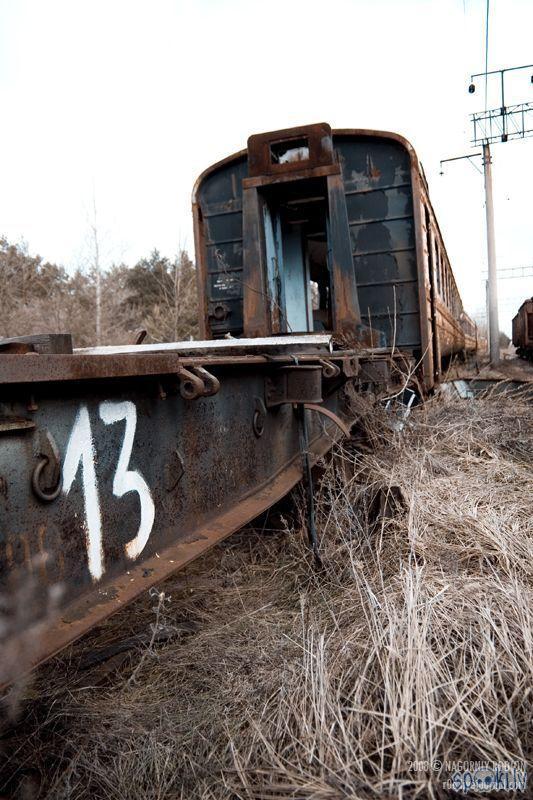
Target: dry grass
280, 681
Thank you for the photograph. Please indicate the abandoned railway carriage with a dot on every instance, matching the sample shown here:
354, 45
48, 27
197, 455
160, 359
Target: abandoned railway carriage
310, 229
523, 330
118, 465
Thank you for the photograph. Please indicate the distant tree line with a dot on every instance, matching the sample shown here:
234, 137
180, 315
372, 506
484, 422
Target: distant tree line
157, 294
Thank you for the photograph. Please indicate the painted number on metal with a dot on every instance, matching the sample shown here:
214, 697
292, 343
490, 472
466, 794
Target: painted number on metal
81, 453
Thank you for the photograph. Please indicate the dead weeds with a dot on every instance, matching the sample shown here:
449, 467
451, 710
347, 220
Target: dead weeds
255, 675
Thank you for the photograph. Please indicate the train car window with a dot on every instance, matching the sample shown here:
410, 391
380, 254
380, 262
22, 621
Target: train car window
286, 152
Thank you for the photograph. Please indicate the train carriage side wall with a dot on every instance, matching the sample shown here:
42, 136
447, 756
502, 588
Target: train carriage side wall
379, 200
451, 329
404, 277
219, 246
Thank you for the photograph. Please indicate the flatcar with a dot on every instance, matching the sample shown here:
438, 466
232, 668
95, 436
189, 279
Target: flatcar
341, 223
523, 330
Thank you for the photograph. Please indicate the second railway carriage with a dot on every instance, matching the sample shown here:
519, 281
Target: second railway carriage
523, 330
313, 229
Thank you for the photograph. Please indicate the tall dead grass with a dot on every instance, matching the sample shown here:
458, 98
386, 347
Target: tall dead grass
412, 647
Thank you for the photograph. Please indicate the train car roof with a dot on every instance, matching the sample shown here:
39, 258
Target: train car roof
242, 154
526, 301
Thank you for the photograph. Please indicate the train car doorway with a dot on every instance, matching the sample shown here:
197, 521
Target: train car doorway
298, 256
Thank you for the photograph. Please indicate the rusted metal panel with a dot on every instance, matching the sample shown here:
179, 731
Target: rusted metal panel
147, 360
379, 197
218, 231
294, 384
451, 335
37, 642
256, 301
346, 310
201, 271
33, 368
293, 175
427, 367
122, 481
470, 332
375, 371
445, 310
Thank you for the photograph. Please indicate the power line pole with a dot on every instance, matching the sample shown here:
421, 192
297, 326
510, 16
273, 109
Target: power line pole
491, 287
495, 125
493, 323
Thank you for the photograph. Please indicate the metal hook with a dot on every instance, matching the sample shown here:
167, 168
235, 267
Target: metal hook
46, 495
191, 386
329, 369
211, 383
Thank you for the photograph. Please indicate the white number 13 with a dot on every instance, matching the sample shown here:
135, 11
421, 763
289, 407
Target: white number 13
81, 451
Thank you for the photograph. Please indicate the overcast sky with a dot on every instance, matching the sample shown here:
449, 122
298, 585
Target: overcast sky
136, 97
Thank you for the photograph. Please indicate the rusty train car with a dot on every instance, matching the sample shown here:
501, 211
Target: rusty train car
320, 264
523, 330
344, 207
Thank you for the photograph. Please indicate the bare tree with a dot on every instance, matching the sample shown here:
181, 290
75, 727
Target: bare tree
163, 296
97, 273
157, 293
178, 298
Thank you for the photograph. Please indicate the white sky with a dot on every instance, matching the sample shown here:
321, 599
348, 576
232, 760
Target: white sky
138, 97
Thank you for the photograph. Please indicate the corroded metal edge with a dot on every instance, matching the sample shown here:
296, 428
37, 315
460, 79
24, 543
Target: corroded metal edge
162, 359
